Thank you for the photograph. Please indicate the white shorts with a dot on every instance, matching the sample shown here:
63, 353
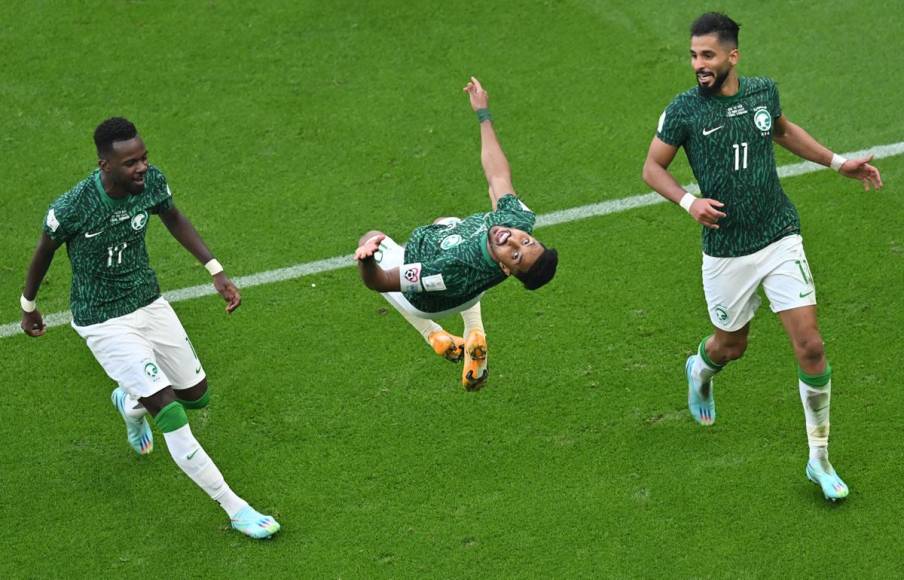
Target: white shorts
391, 255
731, 284
145, 351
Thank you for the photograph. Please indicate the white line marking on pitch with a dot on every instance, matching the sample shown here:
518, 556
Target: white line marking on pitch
549, 219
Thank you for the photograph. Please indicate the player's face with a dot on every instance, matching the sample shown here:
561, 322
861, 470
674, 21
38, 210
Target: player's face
514, 250
712, 62
126, 165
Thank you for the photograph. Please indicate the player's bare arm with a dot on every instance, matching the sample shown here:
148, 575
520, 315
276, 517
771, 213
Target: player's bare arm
656, 174
33, 322
796, 140
185, 233
495, 165
373, 276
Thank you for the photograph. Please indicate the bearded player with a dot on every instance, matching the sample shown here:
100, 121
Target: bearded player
751, 236
117, 308
446, 267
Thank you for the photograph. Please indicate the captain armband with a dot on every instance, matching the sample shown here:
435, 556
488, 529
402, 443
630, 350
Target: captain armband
412, 280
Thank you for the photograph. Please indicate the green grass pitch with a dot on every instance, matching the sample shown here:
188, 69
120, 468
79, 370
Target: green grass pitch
286, 130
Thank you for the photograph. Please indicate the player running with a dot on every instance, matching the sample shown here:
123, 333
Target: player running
727, 125
446, 267
117, 308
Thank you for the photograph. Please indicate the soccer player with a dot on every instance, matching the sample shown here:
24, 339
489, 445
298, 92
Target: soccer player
751, 236
117, 308
446, 267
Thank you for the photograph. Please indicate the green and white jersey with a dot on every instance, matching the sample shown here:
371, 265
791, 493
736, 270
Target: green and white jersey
105, 241
448, 265
728, 142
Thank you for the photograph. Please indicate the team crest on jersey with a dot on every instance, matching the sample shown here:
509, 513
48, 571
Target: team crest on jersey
450, 241
763, 120
139, 221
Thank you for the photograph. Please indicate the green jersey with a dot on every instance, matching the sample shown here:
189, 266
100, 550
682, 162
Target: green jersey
454, 261
105, 241
728, 143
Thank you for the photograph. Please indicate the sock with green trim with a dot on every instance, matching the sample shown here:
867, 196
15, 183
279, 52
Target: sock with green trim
816, 396
198, 403
704, 369
193, 460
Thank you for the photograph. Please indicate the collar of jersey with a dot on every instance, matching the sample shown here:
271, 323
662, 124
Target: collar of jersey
104, 196
485, 249
741, 84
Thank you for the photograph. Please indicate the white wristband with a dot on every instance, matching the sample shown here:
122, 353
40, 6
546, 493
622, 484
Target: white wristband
214, 267
26, 304
837, 162
686, 202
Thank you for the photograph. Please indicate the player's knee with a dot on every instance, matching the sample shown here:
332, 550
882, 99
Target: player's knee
368, 236
732, 350
809, 349
196, 397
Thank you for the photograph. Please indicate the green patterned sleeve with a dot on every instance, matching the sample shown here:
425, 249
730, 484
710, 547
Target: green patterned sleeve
672, 128
164, 192
60, 224
774, 102
512, 212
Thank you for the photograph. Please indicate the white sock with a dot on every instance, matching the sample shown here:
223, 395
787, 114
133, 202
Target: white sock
423, 325
194, 461
133, 407
816, 401
701, 371
472, 319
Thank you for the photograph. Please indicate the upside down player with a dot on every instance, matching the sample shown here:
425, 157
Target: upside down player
727, 125
117, 308
446, 267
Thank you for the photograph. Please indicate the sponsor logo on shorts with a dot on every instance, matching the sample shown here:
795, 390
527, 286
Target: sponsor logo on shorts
139, 221
450, 241
805, 294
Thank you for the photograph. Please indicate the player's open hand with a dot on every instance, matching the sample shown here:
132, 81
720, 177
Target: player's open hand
706, 212
479, 97
228, 291
862, 170
369, 247
33, 323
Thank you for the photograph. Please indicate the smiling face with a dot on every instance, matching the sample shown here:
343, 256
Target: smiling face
125, 166
514, 250
713, 62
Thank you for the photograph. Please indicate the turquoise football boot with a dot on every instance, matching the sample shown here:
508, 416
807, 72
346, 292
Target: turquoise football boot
702, 407
832, 486
138, 432
254, 524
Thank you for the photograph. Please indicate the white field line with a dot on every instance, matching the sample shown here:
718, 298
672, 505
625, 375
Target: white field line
549, 219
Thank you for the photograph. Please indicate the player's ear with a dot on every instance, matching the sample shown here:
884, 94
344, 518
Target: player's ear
103, 164
734, 56
505, 269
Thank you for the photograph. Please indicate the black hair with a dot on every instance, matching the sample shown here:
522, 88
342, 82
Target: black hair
111, 130
541, 271
719, 24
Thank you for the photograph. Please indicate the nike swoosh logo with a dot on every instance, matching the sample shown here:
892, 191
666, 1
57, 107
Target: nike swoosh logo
192, 454
708, 131
87, 235
805, 294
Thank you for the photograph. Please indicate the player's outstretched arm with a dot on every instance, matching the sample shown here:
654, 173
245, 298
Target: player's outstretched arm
32, 320
182, 229
796, 140
373, 276
656, 174
495, 165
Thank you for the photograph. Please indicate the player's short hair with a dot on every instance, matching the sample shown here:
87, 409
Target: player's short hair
112, 130
542, 271
719, 24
